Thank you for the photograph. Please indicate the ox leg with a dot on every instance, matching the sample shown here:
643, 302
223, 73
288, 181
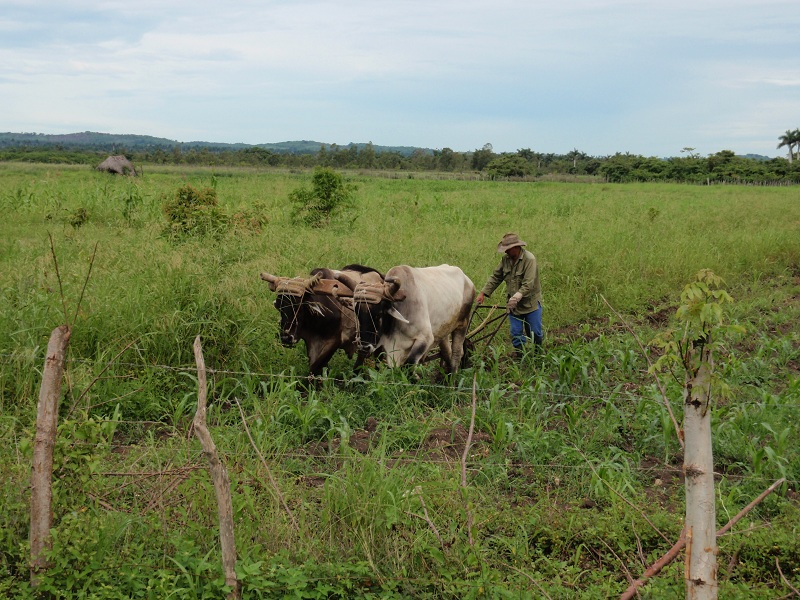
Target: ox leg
459, 336
319, 355
446, 353
418, 350
360, 358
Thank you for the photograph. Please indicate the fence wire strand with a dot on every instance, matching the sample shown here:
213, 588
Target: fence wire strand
340, 381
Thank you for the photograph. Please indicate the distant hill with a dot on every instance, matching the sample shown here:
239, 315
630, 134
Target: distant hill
110, 142
756, 156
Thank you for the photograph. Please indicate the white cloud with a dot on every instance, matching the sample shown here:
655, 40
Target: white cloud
603, 76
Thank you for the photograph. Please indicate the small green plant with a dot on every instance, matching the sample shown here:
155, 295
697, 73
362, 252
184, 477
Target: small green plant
20, 198
701, 314
78, 217
309, 419
192, 212
328, 195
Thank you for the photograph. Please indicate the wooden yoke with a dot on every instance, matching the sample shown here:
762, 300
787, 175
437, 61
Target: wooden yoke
332, 287
298, 286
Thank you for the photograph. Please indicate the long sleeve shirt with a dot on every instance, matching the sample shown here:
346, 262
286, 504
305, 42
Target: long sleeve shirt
520, 276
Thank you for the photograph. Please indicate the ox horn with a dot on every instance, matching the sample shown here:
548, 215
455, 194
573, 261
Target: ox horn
346, 279
393, 312
392, 285
271, 279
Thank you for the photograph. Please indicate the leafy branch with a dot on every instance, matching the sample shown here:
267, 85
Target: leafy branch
702, 315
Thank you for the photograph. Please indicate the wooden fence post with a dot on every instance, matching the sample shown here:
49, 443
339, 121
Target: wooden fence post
219, 474
43, 446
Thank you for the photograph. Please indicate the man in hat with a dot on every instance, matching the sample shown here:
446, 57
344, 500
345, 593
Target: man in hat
520, 272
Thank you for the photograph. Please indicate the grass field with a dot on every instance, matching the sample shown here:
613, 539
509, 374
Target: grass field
574, 475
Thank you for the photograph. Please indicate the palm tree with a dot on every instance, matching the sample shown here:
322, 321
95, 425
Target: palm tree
790, 139
574, 155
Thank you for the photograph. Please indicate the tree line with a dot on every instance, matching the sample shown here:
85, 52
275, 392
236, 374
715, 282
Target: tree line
524, 164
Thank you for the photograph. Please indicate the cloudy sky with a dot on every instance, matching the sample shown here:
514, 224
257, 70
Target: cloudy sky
600, 76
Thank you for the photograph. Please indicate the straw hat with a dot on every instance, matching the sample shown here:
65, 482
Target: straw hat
509, 241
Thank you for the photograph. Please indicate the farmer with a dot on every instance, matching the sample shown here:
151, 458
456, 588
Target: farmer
520, 272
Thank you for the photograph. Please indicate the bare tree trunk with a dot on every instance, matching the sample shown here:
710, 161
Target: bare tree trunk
44, 443
219, 474
698, 466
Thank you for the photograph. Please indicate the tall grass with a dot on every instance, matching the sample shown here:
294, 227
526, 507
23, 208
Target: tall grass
631, 243
565, 442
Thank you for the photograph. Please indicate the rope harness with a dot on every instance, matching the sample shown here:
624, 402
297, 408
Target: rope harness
347, 299
370, 293
298, 287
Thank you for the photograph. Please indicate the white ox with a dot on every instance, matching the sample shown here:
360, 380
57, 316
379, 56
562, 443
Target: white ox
414, 309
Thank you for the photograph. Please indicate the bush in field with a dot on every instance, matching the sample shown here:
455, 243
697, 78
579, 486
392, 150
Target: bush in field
328, 194
251, 219
194, 212
508, 166
78, 217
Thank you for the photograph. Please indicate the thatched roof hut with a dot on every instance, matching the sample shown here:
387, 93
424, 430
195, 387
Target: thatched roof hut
118, 165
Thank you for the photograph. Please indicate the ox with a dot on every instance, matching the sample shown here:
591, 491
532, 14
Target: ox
411, 311
319, 311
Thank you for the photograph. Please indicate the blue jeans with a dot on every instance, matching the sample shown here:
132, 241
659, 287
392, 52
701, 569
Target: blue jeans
523, 325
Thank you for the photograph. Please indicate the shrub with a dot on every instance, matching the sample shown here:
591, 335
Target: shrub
250, 219
78, 217
194, 212
328, 194
508, 166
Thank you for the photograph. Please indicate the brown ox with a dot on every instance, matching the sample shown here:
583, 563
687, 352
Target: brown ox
315, 310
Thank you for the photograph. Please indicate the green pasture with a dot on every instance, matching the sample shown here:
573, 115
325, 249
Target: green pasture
633, 244
573, 480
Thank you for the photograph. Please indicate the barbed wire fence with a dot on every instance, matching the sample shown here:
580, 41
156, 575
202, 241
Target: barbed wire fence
341, 381
158, 490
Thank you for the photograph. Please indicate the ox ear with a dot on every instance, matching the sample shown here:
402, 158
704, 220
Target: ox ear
271, 279
396, 314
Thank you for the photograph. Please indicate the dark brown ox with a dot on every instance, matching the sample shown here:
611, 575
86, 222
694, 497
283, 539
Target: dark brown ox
319, 310
411, 311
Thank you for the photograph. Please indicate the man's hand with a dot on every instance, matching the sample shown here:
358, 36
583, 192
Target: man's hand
480, 298
513, 301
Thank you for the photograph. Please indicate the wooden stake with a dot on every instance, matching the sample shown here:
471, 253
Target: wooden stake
698, 468
219, 474
43, 446
464, 457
